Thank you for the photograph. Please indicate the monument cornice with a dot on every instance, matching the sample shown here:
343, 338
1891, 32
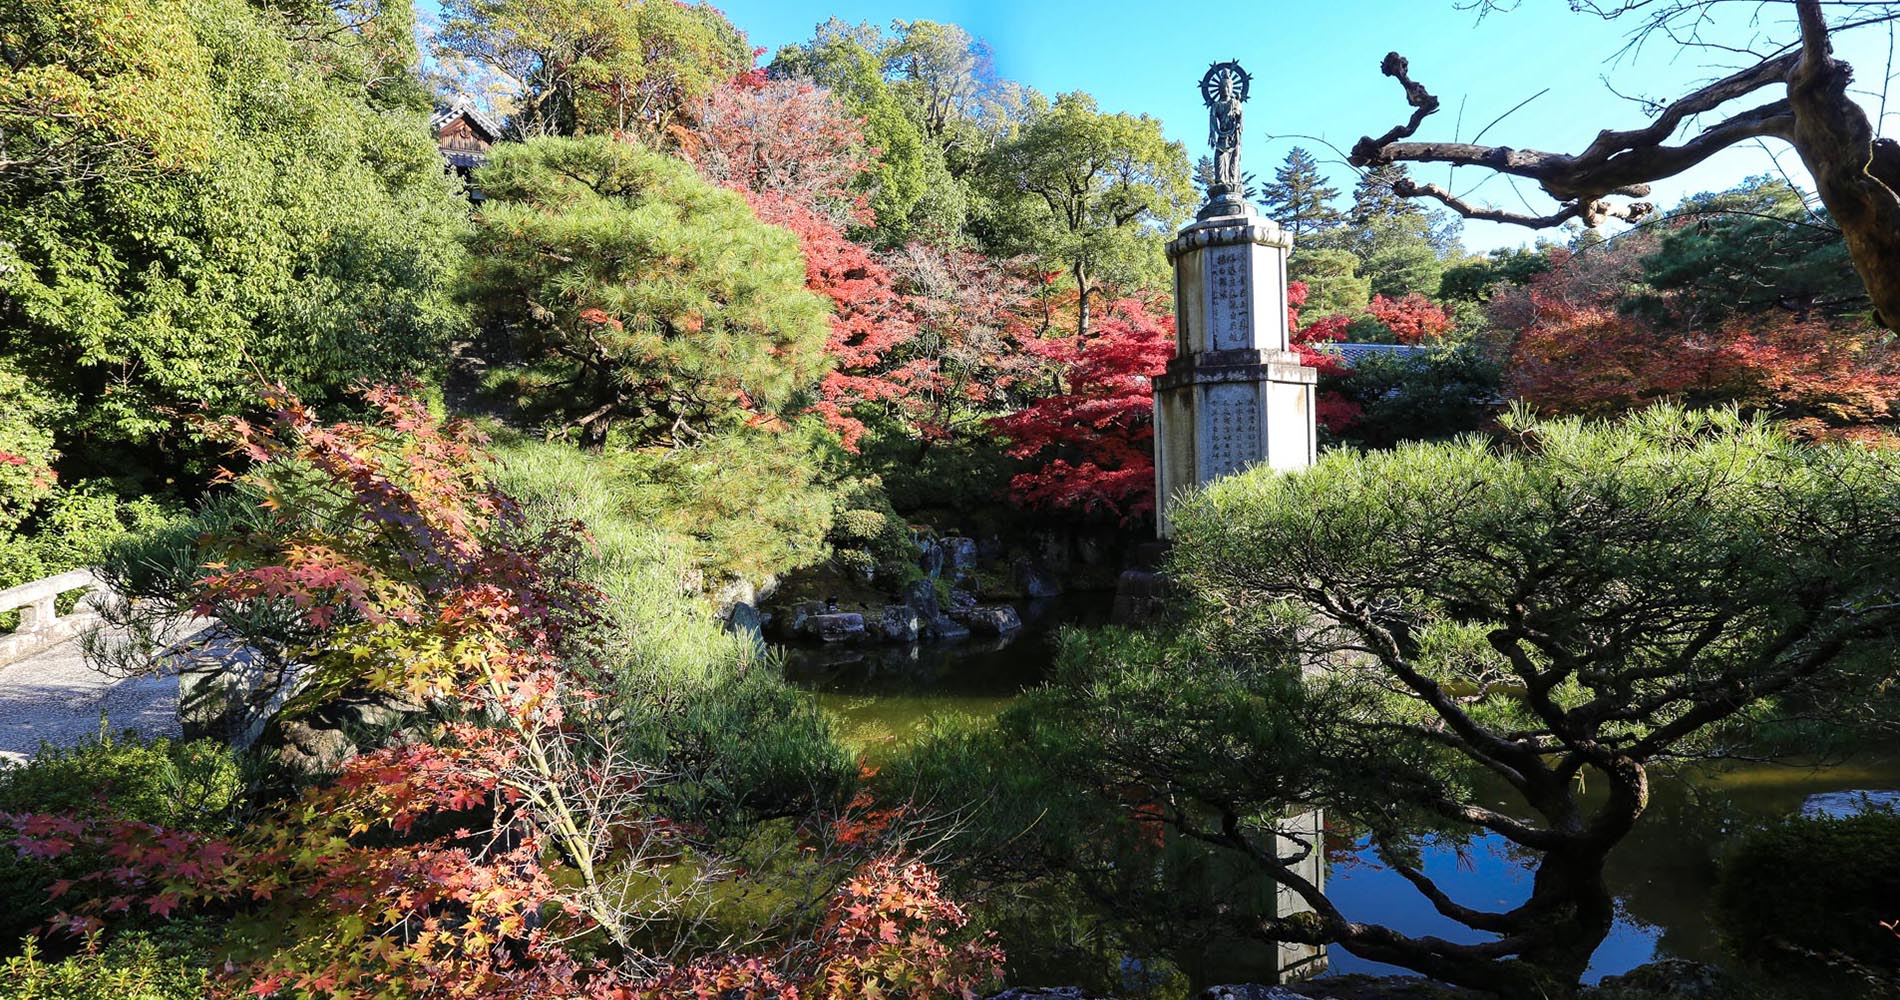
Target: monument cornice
1228, 231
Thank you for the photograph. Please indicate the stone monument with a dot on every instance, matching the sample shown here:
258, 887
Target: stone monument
1234, 396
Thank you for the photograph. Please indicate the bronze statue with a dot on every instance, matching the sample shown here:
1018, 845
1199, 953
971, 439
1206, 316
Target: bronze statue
1224, 90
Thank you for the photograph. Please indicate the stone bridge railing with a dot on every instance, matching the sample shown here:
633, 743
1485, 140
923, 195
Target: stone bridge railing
41, 625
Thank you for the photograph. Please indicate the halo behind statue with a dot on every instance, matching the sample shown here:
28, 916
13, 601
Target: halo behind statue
1224, 72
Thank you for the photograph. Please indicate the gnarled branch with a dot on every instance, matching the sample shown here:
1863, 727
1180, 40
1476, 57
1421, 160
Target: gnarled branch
1856, 173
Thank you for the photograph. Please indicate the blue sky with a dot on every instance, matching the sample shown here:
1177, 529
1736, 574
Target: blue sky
1316, 72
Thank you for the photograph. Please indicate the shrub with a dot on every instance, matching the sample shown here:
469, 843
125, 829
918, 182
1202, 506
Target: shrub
748, 503
1807, 892
132, 967
185, 785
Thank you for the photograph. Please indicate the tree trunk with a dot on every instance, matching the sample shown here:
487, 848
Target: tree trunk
1081, 274
1856, 174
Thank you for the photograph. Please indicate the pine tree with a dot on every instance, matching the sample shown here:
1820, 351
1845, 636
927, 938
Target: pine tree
1299, 199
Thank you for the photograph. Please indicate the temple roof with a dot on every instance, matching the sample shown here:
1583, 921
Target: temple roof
461, 108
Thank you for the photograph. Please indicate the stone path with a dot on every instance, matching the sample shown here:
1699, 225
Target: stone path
57, 697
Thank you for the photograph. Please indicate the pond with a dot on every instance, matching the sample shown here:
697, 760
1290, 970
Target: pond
1663, 875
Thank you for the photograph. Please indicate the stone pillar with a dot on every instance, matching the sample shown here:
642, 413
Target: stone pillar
1234, 396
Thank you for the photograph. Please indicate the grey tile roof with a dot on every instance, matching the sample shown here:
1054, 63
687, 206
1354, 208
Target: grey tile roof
1352, 353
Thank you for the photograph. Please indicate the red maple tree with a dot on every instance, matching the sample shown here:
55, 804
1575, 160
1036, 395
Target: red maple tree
798, 157
1094, 438
1412, 318
1579, 354
1332, 410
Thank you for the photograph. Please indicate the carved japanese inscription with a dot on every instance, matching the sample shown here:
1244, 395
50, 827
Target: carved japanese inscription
1230, 429
1229, 299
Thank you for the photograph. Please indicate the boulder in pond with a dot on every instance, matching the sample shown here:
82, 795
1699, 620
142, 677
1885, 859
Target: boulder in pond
836, 626
1035, 581
921, 596
1671, 977
930, 557
1248, 991
945, 628
1000, 619
794, 622
900, 623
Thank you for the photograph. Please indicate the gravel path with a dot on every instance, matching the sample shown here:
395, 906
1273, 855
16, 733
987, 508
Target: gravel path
56, 697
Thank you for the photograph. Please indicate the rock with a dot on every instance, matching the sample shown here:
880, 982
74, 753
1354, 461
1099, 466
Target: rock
900, 623
744, 619
993, 620
945, 628
834, 627
961, 600
959, 555
1671, 977
921, 597
1089, 551
1042, 993
308, 750
1151, 556
794, 622
1140, 595
1034, 582
738, 590
930, 557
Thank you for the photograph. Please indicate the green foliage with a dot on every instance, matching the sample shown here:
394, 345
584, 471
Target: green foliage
310, 239
913, 90
193, 785
130, 967
1334, 286
183, 785
1803, 893
643, 298
99, 87
868, 535
1300, 200
1400, 246
1421, 397
1751, 248
1473, 280
47, 527
1089, 193
745, 504
597, 67
695, 699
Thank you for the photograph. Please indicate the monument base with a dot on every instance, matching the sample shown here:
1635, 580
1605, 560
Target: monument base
1221, 412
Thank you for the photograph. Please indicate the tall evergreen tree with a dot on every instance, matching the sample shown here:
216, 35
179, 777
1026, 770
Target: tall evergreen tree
1300, 200
1401, 245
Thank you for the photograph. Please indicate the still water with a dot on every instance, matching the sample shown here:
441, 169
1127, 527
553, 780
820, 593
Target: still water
1663, 875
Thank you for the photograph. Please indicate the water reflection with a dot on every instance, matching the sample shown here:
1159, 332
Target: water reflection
884, 695
1662, 875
